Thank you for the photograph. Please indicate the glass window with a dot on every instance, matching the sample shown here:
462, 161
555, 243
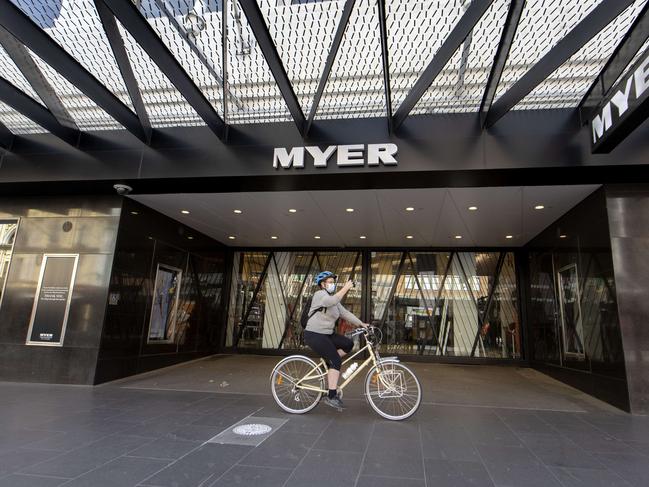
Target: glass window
270, 289
8, 230
441, 303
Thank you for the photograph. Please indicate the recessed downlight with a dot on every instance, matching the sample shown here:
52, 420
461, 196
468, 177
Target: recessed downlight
190, 238
473, 208
509, 236
458, 237
185, 212
410, 208
349, 210
292, 210
563, 235
539, 207
409, 236
317, 237
134, 213
274, 237
238, 212
362, 237
231, 237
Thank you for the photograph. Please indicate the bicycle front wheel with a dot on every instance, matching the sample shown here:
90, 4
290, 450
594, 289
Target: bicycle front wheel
290, 396
393, 391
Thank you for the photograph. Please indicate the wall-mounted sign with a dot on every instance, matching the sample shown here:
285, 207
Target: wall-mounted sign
346, 155
52, 301
625, 107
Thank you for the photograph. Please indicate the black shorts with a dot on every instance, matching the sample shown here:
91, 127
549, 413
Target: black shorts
327, 346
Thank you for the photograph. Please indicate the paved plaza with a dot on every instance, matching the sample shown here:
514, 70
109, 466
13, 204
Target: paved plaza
477, 426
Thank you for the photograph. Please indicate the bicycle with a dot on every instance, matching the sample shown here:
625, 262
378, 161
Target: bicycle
392, 389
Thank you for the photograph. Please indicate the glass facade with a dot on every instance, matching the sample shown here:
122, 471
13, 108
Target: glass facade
460, 304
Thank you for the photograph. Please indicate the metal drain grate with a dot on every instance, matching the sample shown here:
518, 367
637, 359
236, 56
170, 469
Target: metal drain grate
249, 431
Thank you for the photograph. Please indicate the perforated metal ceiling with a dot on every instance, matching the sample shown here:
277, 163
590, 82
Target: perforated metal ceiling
302, 32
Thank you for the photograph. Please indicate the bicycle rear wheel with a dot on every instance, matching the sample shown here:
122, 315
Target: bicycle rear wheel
393, 391
289, 396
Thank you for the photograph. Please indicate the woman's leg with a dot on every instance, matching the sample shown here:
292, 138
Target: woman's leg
324, 346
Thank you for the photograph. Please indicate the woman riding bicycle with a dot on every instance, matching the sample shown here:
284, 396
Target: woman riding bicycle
320, 335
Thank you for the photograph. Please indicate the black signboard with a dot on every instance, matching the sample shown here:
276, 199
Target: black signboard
624, 108
52, 301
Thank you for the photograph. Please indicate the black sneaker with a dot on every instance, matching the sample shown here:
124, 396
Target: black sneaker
335, 403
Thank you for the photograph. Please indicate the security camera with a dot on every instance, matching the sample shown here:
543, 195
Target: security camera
122, 189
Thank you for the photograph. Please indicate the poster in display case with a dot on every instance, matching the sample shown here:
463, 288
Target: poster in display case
52, 301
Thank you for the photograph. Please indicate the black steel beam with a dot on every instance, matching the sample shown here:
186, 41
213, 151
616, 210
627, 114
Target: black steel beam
33, 74
590, 26
33, 110
130, 17
6, 137
457, 36
32, 36
386, 63
624, 53
119, 51
331, 57
502, 53
260, 30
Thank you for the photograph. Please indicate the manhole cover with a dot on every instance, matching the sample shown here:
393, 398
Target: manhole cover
252, 429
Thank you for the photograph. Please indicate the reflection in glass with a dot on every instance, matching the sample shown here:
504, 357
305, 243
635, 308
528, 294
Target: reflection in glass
163, 326
8, 230
571, 325
270, 289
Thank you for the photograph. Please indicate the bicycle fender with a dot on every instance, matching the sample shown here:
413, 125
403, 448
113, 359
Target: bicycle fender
388, 359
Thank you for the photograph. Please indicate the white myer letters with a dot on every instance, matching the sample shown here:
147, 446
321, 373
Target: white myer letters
346, 155
320, 157
284, 158
621, 98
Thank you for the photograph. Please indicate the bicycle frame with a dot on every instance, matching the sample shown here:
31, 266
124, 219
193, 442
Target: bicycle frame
322, 365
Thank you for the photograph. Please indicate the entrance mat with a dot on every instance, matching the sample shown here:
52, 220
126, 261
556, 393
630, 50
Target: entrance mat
250, 431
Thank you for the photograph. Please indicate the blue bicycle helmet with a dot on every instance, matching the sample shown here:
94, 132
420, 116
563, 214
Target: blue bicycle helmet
324, 275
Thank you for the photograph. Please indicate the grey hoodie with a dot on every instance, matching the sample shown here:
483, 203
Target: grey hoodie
325, 321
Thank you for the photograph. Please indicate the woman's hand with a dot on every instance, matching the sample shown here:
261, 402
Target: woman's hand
365, 325
348, 285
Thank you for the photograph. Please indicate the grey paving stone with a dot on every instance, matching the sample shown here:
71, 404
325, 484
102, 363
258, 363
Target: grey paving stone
247, 476
343, 436
373, 481
560, 452
283, 449
193, 432
68, 441
631, 467
165, 448
21, 458
447, 443
123, 471
77, 462
326, 468
588, 477
403, 458
198, 466
20, 480
444, 473
504, 475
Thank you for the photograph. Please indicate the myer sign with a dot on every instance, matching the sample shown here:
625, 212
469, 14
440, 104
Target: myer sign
625, 107
346, 155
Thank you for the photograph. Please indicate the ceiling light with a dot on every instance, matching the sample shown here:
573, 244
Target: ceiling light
190, 238
458, 236
563, 236
273, 237
292, 210
238, 212
410, 208
350, 210
473, 208
134, 213
185, 212
231, 237
317, 237
539, 207
509, 236
362, 237
409, 236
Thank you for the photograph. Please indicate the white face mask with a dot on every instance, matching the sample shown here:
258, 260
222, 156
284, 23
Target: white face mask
331, 287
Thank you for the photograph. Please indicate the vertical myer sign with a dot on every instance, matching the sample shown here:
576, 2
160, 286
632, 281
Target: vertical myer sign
623, 109
346, 155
